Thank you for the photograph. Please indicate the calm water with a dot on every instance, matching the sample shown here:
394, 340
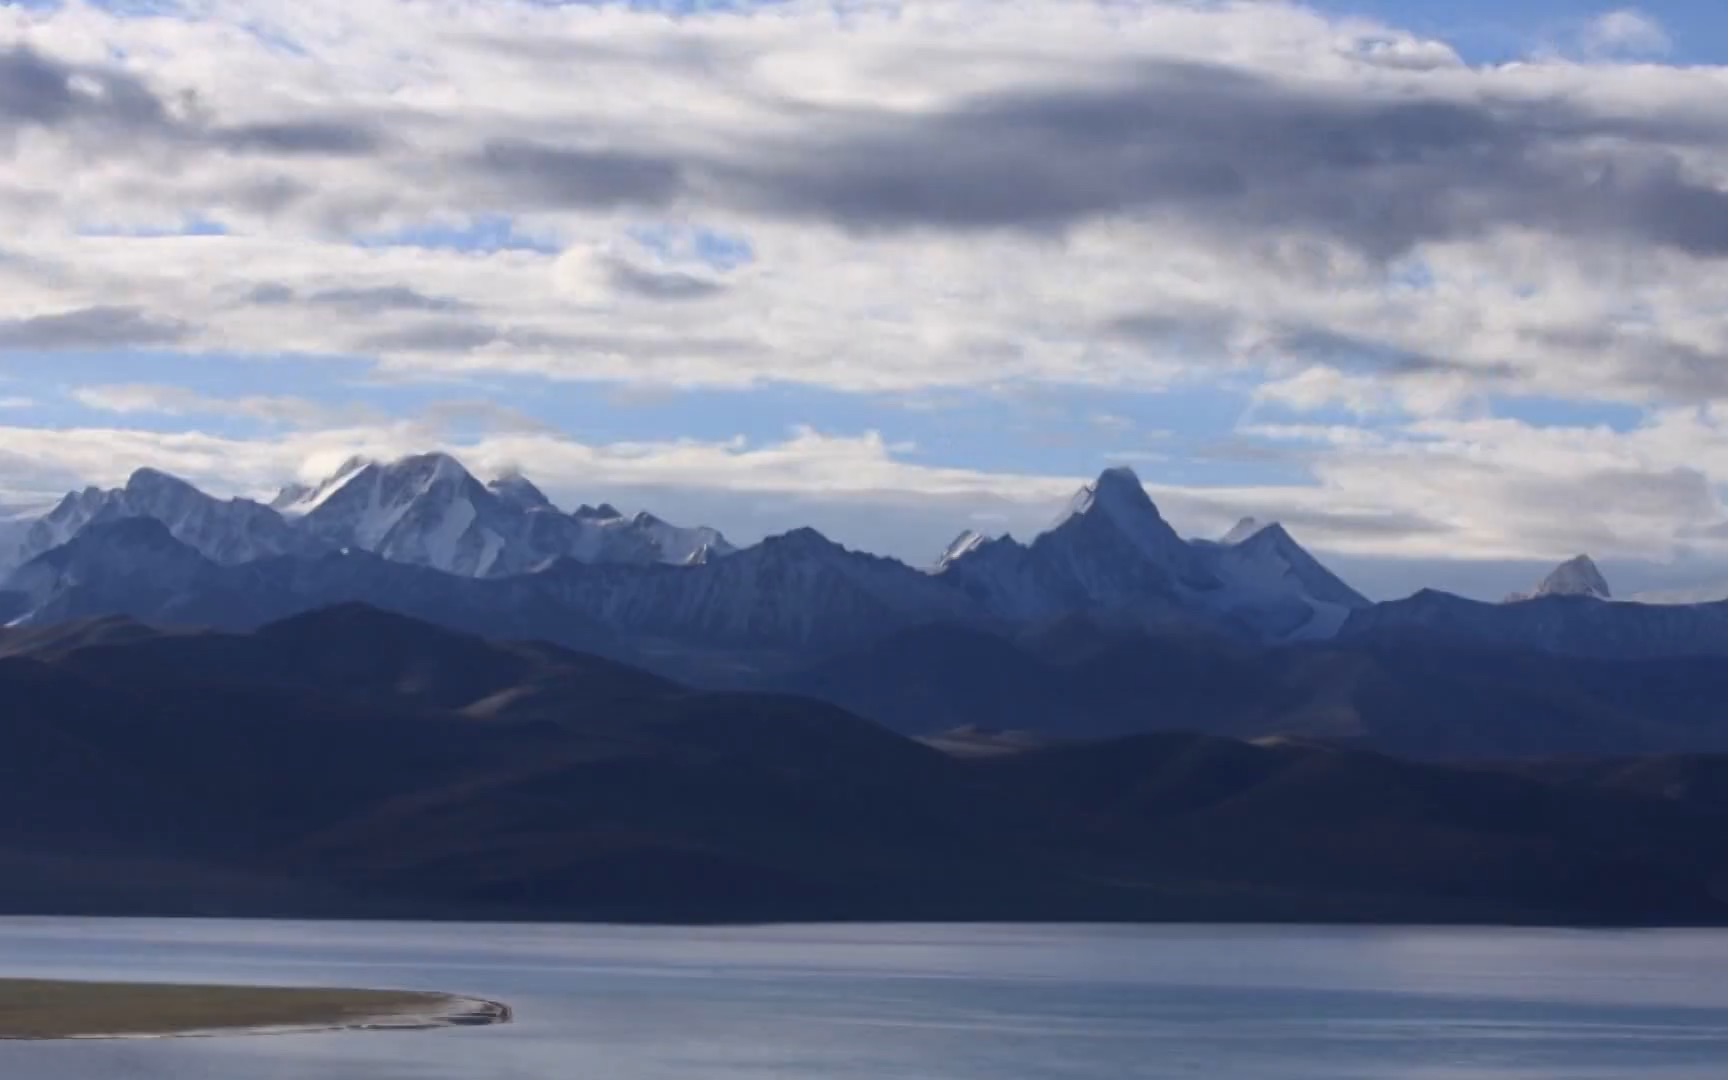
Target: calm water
970, 1003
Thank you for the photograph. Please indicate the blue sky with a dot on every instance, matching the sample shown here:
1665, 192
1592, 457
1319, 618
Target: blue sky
1438, 285
1495, 31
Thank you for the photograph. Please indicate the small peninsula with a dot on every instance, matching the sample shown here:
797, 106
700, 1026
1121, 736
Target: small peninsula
38, 1009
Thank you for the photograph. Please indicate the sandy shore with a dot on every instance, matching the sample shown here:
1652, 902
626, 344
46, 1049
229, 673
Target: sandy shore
40, 1010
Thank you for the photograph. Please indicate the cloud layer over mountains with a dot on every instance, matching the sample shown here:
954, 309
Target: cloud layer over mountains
1308, 267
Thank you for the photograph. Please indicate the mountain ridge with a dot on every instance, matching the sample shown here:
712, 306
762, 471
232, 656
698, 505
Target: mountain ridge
662, 591
489, 779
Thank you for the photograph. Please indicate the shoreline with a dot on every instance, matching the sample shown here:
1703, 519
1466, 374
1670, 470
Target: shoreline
73, 1011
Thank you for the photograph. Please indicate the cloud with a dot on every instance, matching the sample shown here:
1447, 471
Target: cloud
277, 410
1626, 32
652, 284
357, 299
329, 138
111, 108
1242, 152
439, 421
1283, 210
40, 90
386, 298
560, 176
90, 328
987, 218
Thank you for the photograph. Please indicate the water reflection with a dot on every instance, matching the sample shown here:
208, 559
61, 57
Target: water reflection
961, 1002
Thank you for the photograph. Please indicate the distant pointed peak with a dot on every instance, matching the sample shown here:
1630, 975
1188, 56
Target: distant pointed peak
518, 491
297, 500
1118, 495
1247, 527
603, 512
646, 520
802, 539
1256, 533
343, 472
1119, 487
437, 462
147, 477
1578, 576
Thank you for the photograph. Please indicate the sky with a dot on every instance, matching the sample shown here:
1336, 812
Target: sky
1440, 286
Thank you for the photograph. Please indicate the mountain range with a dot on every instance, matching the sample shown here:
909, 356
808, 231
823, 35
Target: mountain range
425, 536
353, 762
425, 510
1108, 623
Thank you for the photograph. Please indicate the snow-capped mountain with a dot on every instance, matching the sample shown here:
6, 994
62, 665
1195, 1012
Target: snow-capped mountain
518, 491
423, 536
797, 592
681, 546
15, 525
1575, 577
125, 566
225, 530
429, 510
964, 544
1274, 583
1112, 553
426, 511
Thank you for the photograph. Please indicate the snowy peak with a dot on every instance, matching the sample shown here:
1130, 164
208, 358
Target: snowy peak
1114, 539
1267, 573
297, 500
518, 491
132, 553
679, 546
429, 510
1576, 577
426, 510
227, 531
1116, 493
964, 544
153, 483
804, 542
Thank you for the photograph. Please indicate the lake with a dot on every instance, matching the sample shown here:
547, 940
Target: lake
967, 1003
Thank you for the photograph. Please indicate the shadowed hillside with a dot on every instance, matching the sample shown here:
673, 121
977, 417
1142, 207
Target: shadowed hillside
355, 762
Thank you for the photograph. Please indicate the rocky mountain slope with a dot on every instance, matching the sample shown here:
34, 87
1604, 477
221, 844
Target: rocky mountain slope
1082, 679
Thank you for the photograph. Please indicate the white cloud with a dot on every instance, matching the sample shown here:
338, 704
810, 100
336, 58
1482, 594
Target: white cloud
937, 200
1626, 32
146, 399
862, 281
